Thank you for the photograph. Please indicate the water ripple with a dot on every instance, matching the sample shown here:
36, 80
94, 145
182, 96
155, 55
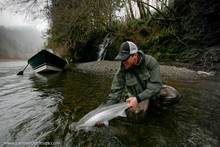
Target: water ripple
42, 107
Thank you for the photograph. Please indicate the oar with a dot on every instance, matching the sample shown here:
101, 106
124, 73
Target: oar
21, 72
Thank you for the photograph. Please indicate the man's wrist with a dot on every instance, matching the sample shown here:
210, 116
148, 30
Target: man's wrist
138, 99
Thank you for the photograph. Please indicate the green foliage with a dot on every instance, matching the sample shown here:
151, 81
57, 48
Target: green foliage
78, 27
164, 43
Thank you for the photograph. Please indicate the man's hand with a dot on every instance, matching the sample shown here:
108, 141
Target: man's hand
132, 102
99, 124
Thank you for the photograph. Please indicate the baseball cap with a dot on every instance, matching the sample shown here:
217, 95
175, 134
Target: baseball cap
126, 49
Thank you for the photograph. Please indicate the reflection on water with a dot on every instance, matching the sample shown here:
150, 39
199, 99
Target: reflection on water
40, 108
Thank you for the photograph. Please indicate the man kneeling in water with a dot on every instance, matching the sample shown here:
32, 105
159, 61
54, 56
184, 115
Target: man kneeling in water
139, 74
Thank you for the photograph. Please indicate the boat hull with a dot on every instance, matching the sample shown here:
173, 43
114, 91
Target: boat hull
45, 61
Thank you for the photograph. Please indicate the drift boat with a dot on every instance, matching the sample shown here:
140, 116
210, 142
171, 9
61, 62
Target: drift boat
46, 61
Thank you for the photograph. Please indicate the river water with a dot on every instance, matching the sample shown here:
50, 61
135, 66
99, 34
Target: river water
38, 109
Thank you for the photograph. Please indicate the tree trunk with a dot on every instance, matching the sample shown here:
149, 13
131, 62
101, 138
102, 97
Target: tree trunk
148, 9
131, 10
127, 11
143, 9
140, 7
157, 4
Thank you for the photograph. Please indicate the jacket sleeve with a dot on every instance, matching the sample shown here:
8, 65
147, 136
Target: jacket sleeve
154, 84
117, 88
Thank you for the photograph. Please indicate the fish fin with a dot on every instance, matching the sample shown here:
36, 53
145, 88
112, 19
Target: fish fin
123, 114
106, 123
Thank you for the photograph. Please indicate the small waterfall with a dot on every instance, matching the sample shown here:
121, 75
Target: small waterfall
109, 38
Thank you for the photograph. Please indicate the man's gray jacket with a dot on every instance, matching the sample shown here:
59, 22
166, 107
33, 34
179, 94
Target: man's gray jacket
143, 81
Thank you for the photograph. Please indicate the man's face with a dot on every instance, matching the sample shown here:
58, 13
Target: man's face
130, 61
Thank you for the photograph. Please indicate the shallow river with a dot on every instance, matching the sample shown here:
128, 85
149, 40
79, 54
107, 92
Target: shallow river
38, 109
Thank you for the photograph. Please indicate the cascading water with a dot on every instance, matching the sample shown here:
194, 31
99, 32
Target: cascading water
109, 38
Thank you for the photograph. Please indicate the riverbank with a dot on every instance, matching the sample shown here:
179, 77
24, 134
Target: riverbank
108, 68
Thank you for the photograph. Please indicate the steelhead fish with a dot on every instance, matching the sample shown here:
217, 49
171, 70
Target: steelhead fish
103, 114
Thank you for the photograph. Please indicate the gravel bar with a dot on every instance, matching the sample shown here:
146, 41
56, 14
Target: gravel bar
108, 68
